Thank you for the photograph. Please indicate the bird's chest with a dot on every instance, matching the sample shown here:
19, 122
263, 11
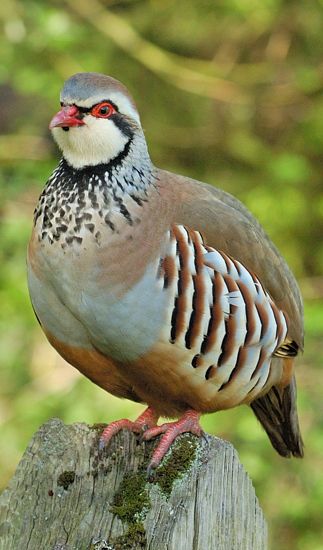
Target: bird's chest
105, 292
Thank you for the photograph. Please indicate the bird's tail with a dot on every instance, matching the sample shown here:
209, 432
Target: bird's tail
277, 413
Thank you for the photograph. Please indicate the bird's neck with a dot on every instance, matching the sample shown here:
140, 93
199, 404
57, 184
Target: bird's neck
129, 172
103, 190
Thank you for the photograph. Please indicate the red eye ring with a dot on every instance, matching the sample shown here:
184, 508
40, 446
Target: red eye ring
103, 110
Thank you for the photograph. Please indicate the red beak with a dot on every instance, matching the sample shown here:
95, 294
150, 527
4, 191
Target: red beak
66, 117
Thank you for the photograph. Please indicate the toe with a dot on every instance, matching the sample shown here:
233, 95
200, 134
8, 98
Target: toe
151, 433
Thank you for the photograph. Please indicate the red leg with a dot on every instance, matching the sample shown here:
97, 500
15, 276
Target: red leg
148, 419
189, 422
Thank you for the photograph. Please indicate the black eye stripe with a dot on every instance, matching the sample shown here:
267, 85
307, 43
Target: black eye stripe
84, 109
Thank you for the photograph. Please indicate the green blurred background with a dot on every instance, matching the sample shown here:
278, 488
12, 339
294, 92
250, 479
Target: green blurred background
230, 92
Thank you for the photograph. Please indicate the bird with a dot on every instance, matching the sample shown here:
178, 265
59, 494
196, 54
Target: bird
159, 288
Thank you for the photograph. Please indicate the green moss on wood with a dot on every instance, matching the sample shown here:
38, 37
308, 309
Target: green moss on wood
66, 479
98, 427
131, 503
177, 463
134, 538
131, 499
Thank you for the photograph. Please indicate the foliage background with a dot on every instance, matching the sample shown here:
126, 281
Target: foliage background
230, 92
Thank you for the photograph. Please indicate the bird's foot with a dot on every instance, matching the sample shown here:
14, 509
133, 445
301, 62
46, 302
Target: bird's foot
147, 420
189, 422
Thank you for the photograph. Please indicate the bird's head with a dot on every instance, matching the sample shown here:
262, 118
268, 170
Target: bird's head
97, 121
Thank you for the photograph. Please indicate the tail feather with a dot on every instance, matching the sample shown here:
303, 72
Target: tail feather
277, 413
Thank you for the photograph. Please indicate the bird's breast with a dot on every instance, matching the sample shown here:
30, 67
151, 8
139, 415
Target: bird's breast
99, 295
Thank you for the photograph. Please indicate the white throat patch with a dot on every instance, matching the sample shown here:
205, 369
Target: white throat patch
98, 141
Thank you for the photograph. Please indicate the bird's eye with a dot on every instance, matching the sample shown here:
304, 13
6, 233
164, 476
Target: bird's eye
103, 110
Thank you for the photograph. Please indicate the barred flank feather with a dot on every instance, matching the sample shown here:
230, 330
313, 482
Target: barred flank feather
277, 413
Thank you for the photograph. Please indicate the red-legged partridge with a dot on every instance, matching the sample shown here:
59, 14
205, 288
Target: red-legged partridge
159, 288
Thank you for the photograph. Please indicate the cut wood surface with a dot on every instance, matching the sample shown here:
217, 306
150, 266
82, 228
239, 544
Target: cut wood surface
66, 495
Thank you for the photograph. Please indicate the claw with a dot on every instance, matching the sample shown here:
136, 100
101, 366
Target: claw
151, 473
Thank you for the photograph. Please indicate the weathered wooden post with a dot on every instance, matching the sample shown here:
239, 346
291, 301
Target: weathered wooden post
65, 495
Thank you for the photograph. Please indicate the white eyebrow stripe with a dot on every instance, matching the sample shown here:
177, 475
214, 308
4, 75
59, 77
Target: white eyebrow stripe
124, 105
